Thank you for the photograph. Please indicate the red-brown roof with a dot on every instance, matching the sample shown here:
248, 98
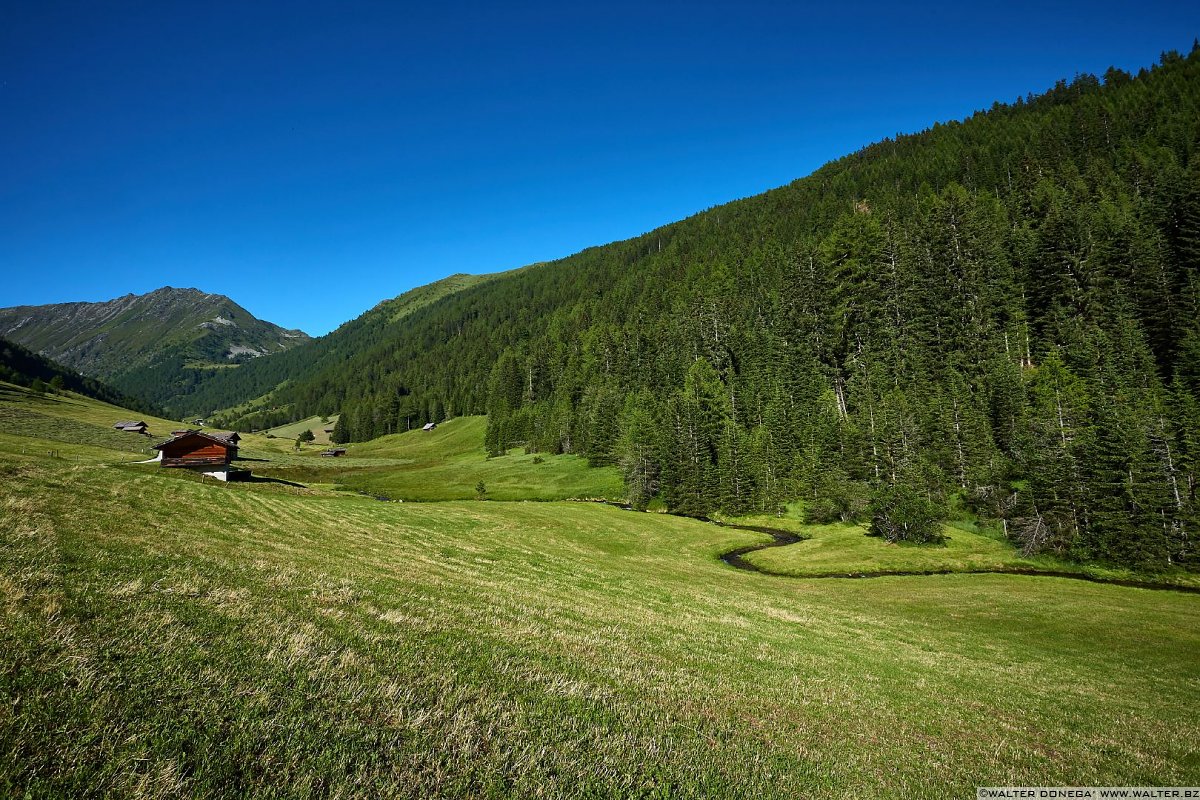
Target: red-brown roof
186, 434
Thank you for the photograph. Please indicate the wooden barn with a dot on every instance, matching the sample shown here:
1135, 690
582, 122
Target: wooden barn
131, 426
428, 426
210, 454
232, 438
336, 452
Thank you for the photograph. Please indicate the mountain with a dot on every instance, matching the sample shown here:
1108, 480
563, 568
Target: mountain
249, 394
156, 346
23, 367
1000, 315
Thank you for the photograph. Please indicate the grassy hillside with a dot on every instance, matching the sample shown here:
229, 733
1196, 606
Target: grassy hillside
23, 367
315, 425
248, 399
68, 417
448, 463
165, 636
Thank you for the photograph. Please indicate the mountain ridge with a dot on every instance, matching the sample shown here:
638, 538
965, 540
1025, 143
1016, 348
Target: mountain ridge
151, 345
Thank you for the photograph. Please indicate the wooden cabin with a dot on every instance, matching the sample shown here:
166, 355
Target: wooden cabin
131, 426
334, 453
232, 438
207, 453
429, 426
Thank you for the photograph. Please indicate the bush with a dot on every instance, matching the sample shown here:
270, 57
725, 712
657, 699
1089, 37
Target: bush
900, 513
838, 499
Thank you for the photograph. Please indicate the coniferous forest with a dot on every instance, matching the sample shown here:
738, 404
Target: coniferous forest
23, 367
1001, 314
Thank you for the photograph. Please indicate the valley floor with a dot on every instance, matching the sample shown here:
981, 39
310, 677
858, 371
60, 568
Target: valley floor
163, 635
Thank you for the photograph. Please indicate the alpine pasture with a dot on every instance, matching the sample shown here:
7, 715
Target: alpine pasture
165, 635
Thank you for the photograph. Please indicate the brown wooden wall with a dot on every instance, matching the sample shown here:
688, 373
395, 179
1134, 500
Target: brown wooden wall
196, 448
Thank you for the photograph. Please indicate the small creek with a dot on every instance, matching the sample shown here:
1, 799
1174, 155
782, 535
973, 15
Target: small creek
781, 538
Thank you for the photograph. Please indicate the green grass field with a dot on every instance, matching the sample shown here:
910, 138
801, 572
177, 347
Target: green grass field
832, 550
164, 635
313, 424
17, 400
448, 463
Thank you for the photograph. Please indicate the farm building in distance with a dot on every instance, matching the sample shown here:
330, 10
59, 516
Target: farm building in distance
208, 453
334, 453
131, 426
429, 426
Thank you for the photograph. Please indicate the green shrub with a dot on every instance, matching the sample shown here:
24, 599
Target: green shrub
900, 513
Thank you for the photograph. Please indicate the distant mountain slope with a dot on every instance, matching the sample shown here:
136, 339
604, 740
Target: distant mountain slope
23, 367
248, 394
156, 346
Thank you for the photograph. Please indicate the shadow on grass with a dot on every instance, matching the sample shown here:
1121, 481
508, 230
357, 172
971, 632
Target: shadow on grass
265, 479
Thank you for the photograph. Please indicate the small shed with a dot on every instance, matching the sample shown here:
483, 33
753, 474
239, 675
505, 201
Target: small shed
203, 452
429, 426
131, 426
336, 452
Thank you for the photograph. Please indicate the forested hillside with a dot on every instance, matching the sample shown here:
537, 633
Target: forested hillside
1000, 312
247, 398
23, 367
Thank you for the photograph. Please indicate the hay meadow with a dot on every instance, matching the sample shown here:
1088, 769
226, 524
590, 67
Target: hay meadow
163, 635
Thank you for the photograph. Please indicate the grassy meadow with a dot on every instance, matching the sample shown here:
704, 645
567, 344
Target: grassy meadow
164, 635
847, 550
447, 463
314, 425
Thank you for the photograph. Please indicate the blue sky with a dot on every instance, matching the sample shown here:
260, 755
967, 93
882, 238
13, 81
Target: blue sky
312, 159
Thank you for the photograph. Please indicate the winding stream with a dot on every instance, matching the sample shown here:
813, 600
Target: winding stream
781, 538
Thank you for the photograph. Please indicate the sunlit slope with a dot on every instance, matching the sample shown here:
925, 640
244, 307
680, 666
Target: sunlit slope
71, 418
444, 464
164, 636
449, 463
249, 398
315, 425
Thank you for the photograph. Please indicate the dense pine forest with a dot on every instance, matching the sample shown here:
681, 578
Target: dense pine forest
1001, 314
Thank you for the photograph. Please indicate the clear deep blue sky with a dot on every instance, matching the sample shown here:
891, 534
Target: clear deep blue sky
310, 160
